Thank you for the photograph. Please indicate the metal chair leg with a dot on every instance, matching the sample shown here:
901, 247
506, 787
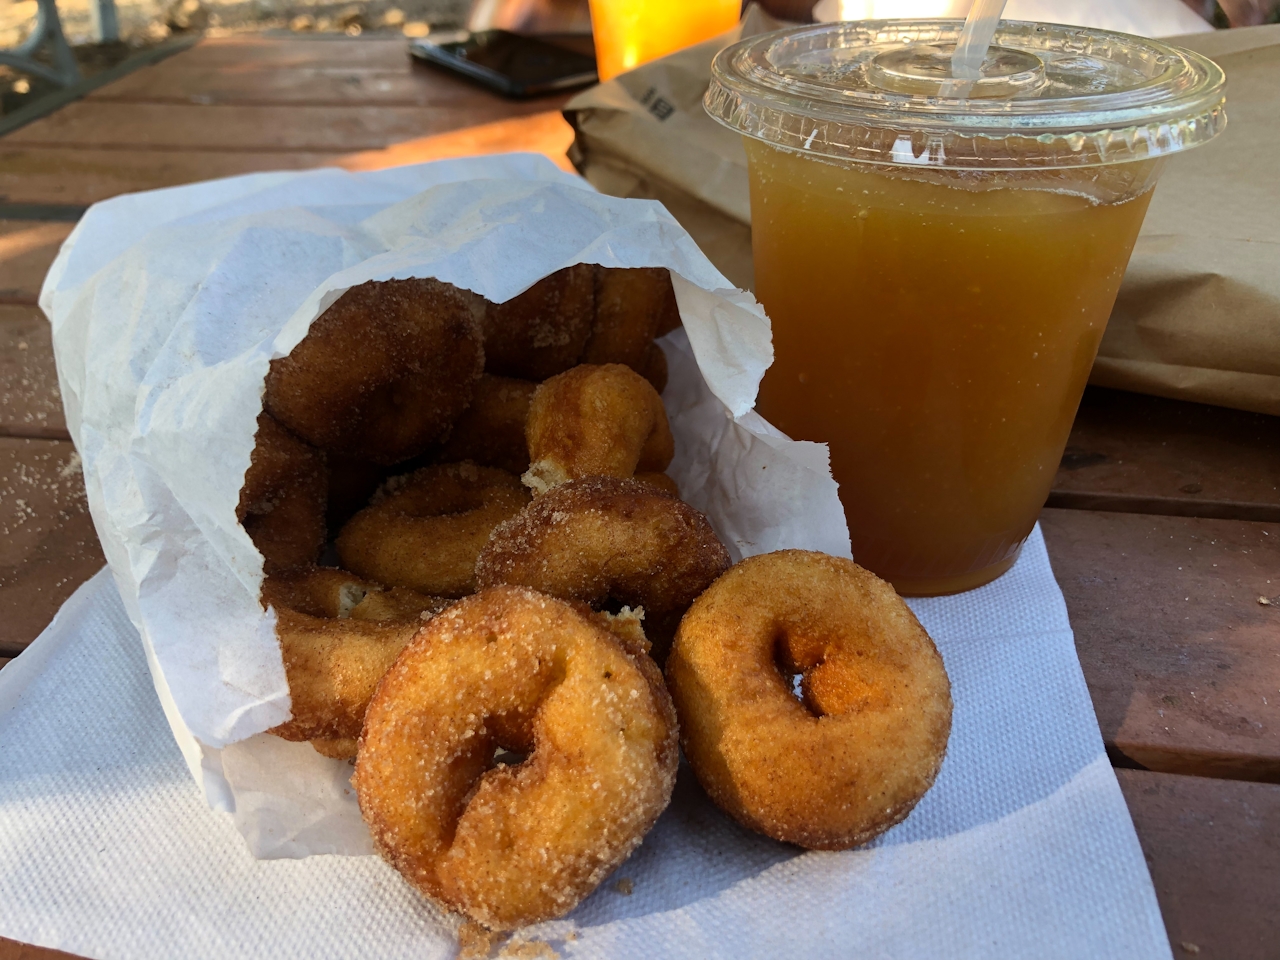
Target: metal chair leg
64, 71
102, 15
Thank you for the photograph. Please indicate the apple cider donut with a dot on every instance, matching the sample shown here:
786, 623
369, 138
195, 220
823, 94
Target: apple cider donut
543, 330
595, 421
609, 541
383, 373
423, 530
338, 635
282, 501
631, 305
654, 368
491, 432
853, 756
514, 844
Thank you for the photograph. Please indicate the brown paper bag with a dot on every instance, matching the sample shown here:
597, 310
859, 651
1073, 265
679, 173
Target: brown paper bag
1198, 316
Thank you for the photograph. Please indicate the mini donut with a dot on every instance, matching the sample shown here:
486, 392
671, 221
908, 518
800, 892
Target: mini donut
631, 304
853, 756
491, 432
660, 480
423, 530
342, 748
383, 373
654, 368
282, 501
352, 483
544, 330
338, 635
609, 541
595, 421
513, 844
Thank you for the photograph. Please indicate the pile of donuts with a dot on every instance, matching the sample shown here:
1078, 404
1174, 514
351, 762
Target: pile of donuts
490, 595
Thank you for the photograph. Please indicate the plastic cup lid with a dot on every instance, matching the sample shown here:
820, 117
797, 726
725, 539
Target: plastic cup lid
881, 91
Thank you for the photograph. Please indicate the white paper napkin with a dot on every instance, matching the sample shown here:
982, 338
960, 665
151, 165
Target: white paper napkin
1023, 848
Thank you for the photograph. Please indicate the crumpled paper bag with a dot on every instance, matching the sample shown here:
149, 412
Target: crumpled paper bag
1198, 315
168, 306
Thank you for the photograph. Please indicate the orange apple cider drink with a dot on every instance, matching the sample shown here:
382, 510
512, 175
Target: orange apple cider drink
939, 266
631, 32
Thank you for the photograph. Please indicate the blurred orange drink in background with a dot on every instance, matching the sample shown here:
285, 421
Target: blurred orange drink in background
631, 32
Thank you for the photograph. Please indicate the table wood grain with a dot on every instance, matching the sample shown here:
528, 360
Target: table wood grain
1213, 848
30, 404
1181, 659
12, 950
27, 248
1138, 454
179, 121
48, 546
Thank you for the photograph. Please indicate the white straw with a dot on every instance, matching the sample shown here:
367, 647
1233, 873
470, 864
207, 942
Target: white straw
975, 38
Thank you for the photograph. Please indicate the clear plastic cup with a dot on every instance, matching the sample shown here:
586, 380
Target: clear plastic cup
939, 258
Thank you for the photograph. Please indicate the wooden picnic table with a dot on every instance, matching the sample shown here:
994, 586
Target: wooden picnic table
1163, 526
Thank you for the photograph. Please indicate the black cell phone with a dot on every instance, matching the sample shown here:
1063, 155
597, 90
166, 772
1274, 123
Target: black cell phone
507, 62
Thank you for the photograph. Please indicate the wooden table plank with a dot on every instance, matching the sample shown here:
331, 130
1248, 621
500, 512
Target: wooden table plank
1182, 660
12, 950
383, 84
30, 405
48, 546
76, 176
145, 132
297, 128
1213, 847
287, 127
396, 79
1141, 454
27, 248
292, 50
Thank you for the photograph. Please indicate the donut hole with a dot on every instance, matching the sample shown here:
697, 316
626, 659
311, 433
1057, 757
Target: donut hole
505, 757
791, 673
507, 744
829, 678
349, 597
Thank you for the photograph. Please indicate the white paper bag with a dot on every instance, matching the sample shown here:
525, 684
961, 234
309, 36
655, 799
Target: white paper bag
167, 308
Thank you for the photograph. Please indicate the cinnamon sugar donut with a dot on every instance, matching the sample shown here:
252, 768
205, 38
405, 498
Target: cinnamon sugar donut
596, 421
282, 501
608, 541
654, 368
543, 330
631, 306
511, 669
423, 530
853, 756
338, 635
491, 432
383, 373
